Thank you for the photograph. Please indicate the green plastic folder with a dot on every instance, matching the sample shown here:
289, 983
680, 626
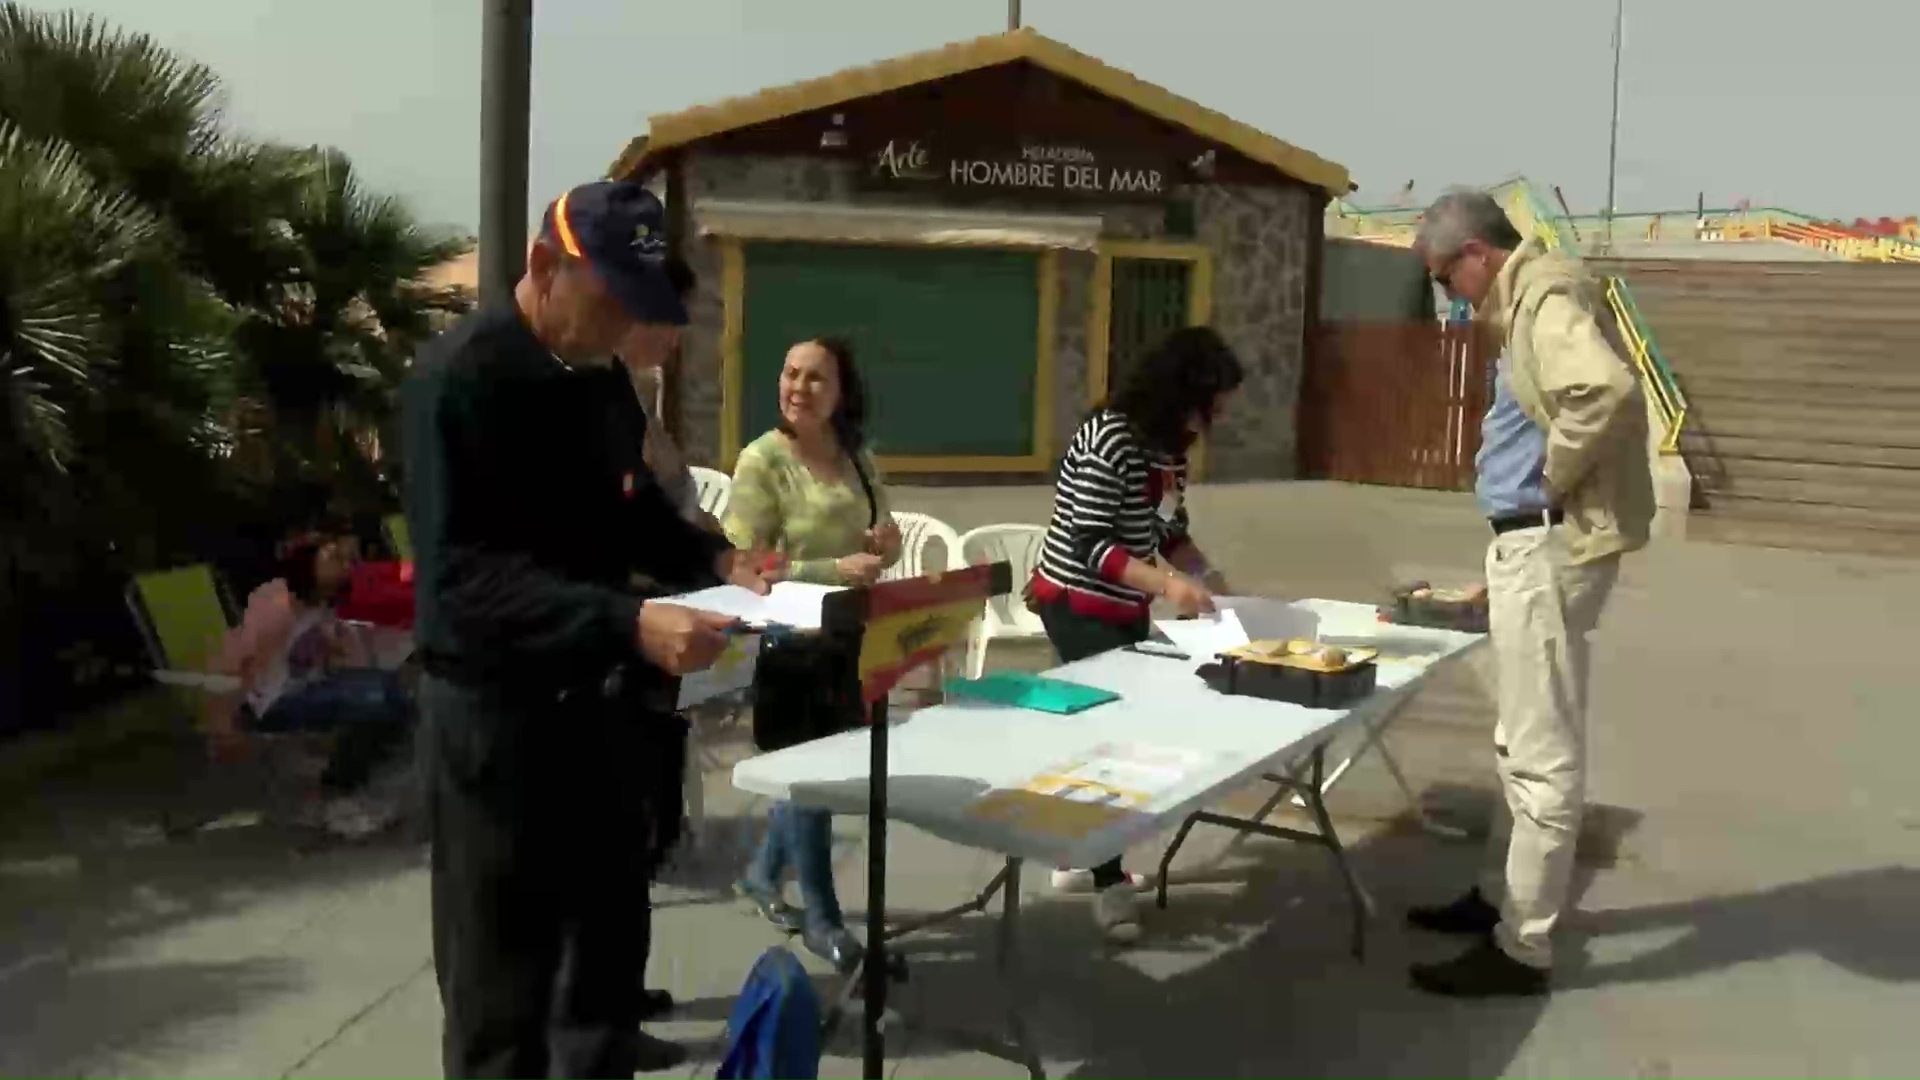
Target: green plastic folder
1026, 691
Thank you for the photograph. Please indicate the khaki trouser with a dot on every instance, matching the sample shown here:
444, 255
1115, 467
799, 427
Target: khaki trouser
1540, 609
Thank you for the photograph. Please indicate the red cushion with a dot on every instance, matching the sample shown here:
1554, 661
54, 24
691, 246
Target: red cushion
380, 593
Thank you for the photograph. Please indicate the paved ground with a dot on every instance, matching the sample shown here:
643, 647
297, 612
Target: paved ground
1750, 881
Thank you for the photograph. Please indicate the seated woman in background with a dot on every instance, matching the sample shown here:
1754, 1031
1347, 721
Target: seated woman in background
301, 669
809, 491
1118, 538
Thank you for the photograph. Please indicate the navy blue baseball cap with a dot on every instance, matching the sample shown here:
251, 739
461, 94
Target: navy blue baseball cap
620, 229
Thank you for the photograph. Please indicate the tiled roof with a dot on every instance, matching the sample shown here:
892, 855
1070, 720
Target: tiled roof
672, 130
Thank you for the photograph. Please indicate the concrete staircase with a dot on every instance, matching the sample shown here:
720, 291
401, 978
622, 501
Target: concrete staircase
1803, 389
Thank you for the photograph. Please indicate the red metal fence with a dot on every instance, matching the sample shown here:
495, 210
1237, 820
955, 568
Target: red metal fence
1395, 403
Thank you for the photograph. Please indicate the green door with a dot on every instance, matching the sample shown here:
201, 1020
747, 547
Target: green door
946, 338
1151, 299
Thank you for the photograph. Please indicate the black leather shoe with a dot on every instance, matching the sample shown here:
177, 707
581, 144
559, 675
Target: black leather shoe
835, 945
658, 1055
1481, 972
655, 1004
766, 900
1469, 916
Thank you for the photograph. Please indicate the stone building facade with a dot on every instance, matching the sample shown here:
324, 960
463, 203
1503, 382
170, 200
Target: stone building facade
1257, 229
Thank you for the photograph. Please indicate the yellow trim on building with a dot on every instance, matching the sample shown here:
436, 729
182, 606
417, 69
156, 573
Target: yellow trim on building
1043, 363
733, 335
1100, 312
1099, 327
733, 291
670, 130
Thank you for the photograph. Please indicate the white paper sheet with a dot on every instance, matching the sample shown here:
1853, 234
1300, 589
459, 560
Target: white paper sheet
1205, 636
1264, 619
731, 673
790, 603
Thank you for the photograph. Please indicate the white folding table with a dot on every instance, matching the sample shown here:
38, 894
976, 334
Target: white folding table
943, 760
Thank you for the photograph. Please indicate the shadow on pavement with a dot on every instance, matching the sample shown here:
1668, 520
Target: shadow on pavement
1247, 978
74, 1020
87, 889
1862, 922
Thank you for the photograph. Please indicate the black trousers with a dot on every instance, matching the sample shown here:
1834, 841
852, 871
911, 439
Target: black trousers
665, 764
1075, 637
541, 920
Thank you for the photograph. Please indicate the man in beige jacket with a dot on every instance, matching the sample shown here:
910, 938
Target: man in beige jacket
1564, 480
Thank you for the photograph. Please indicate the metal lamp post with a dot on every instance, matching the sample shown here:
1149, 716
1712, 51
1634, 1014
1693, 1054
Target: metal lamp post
506, 62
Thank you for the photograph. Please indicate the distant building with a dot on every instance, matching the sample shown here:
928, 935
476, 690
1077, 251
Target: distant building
1002, 226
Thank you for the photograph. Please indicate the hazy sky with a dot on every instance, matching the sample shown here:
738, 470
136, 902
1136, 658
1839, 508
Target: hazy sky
1786, 104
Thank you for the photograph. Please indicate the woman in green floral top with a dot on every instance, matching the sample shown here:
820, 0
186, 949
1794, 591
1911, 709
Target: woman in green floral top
810, 491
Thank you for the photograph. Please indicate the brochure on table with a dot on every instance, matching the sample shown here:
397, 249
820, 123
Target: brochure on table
730, 674
1075, 798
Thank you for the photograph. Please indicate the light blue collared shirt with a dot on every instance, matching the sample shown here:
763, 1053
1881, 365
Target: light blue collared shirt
1509, 470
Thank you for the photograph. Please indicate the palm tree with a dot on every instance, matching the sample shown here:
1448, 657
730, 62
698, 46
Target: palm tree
329, 349
65, 245
147, 122
172, 299
279, 289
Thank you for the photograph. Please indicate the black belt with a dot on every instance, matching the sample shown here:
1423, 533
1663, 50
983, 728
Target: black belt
633, 682
1516, 522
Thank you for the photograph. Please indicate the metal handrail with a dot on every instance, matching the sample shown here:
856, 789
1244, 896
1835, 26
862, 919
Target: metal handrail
1557, 233
1654, 372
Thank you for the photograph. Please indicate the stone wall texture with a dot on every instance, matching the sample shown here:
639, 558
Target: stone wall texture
1258, 236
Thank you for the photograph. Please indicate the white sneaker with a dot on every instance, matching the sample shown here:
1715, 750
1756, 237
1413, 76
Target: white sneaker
1080, 882
1116, 909
357, 818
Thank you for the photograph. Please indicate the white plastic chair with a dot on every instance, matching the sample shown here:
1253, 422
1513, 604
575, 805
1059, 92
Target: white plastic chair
1007, 616
915, 532
714, 488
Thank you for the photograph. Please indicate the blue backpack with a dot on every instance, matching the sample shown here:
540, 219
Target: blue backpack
774, 1030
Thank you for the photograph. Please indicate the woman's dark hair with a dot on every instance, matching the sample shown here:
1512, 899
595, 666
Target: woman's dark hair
849, 419
296, 558
1179, 379
298, 553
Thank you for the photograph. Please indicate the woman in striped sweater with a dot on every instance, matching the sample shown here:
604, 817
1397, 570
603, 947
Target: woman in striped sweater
1118, 537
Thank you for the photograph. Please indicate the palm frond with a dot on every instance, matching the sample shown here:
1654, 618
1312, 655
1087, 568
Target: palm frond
61, 239
135, 110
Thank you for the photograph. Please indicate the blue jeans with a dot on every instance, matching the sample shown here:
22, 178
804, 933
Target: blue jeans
802, 836
365, 709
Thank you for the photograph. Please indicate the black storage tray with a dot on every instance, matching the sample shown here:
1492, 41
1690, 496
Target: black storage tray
1470, 618
1283, 682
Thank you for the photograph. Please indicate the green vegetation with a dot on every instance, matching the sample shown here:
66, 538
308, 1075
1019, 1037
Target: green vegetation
196, 329
190, 322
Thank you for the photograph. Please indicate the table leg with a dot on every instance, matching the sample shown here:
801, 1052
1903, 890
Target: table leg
1420, 815
1002, 880
873, 1047
1361, 904
1375, 740
1019, 1047
1012, 977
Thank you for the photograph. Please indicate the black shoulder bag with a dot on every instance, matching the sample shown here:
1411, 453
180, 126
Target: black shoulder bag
807, 685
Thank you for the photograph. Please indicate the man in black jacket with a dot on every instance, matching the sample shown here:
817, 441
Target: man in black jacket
532, 513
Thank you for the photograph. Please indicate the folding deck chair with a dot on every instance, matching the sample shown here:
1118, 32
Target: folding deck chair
399, 538
184, 616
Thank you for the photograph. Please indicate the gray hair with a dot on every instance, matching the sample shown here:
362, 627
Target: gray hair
1463, 214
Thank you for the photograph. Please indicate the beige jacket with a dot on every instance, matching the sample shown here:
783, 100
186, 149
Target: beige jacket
1571, 377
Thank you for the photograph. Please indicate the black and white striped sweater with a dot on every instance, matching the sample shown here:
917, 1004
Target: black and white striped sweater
1114, 498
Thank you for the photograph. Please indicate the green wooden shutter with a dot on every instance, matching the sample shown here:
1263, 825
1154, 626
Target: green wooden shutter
1150, 301
946, 339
